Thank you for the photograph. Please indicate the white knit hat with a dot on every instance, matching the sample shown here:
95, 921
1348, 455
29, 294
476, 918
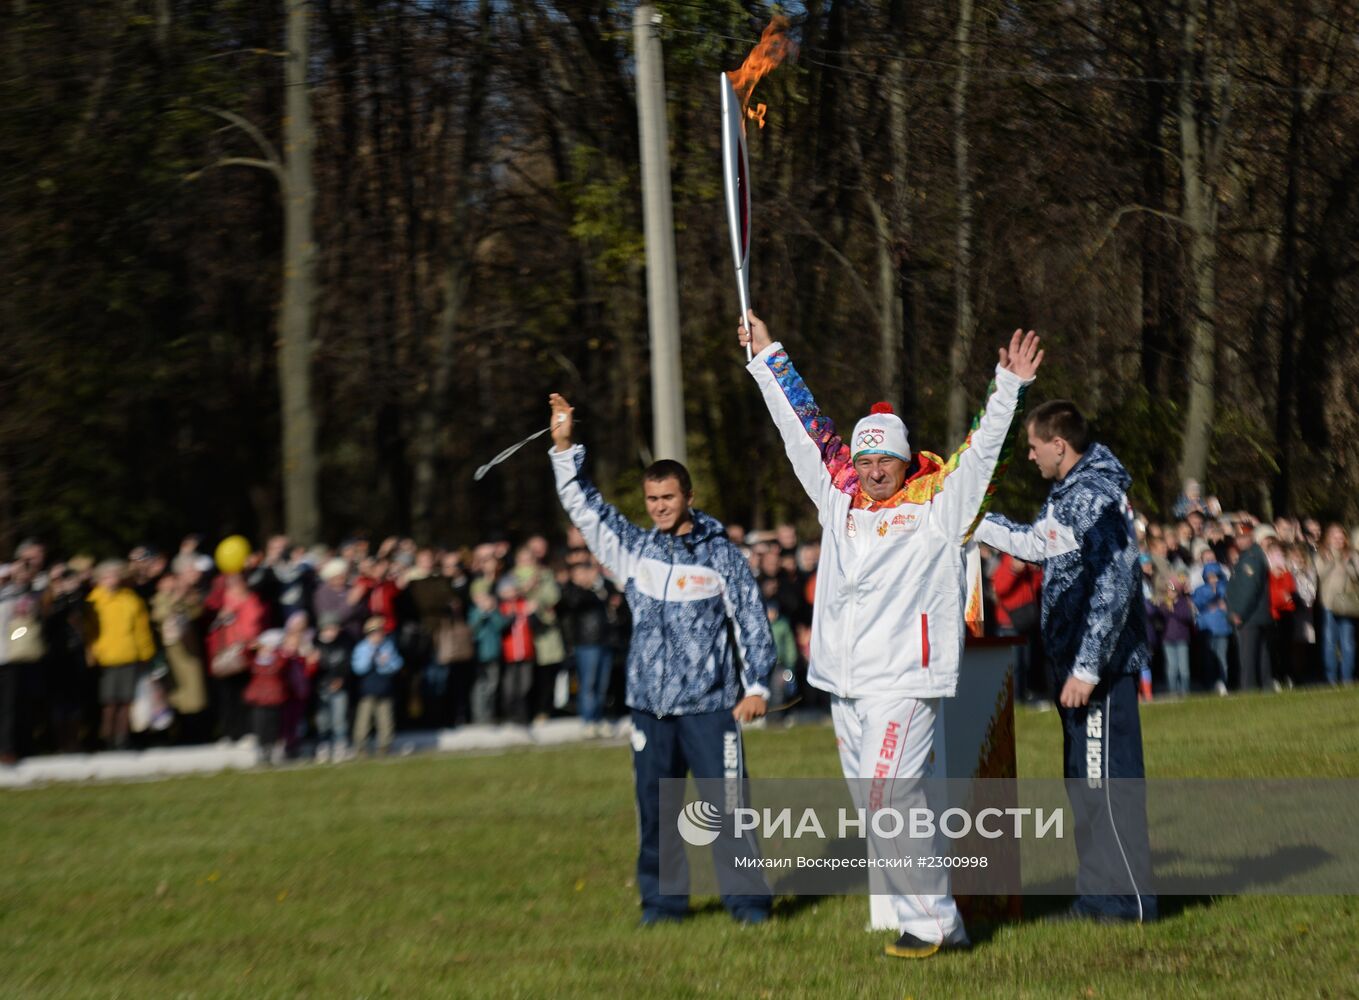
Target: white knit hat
880, 433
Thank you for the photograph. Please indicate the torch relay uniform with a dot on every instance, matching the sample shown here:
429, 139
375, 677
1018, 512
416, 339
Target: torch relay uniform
1094, 629
700, 635
891, 590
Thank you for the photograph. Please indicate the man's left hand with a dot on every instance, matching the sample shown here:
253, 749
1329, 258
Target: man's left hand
749, 708
1024, 356
1075, 693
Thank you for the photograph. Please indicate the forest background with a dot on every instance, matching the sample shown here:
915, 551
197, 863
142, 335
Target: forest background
304, 266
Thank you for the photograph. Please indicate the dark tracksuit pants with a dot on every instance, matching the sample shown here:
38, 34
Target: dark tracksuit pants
708, 746
1252, 645
1105, 782
11, 676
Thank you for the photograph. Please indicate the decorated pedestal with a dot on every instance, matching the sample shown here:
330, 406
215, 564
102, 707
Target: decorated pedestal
975, 738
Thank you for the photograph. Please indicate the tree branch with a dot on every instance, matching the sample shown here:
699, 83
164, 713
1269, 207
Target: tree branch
827, 245
1114, 220
243, 161
248, 127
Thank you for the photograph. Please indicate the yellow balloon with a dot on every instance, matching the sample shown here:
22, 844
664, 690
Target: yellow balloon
231, 554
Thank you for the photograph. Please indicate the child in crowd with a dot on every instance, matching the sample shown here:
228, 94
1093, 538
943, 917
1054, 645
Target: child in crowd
376, 663
334, 650
266, 693
300, 659
1210, 600
783, 679
1177, 614
516, 650
488, 626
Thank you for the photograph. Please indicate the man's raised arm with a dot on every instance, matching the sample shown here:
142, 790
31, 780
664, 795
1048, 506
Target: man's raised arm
612, 538
820, 458
971, 472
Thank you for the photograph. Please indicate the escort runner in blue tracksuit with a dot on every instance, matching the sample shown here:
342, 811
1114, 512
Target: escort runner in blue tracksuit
700, 638
1094, 634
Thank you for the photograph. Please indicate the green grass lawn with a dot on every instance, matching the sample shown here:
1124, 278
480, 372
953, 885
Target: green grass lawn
510, 876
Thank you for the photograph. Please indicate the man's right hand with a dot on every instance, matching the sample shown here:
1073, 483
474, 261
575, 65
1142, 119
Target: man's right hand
562, 422
1075, 693
758, 337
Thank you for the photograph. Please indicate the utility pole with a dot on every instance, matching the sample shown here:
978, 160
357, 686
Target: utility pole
662, 284
302, 513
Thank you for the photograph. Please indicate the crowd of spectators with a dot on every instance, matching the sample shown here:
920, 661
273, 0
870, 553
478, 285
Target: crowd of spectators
1233, 602
320, 650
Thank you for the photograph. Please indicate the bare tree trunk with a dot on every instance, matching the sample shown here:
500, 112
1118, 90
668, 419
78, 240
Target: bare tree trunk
964, 323
297, 319
889, 305
1155, 318
900, 342
429, 439
99, 87
164, 18
15, 49
1197, 163
888, 289
1288, 327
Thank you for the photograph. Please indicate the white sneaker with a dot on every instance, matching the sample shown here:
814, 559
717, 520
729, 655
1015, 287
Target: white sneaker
323, 754
1277, 687
1221, 689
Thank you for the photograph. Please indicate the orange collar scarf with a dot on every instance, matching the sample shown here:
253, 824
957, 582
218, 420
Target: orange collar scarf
920, 486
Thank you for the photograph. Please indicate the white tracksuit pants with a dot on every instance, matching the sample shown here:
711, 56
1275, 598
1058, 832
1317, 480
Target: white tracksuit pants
894, 735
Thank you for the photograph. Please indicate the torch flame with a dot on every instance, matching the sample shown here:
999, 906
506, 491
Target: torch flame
774, 46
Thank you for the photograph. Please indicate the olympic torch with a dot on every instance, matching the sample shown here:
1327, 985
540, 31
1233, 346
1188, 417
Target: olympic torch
736, 88
736, 182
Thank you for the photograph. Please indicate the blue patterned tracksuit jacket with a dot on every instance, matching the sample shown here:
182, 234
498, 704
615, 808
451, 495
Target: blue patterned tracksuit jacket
1094, 623
700, 633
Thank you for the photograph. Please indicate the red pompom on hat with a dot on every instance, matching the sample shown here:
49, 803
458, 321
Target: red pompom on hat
882, 408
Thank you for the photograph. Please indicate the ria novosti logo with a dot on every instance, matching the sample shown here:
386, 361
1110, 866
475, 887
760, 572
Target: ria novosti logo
699, 823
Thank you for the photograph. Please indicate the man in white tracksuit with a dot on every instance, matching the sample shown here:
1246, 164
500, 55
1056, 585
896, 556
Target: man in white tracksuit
891, 589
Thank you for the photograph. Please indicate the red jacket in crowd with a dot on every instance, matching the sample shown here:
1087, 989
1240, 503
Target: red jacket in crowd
1015, 584
268, 687
381, 600
1281, 590
517, 644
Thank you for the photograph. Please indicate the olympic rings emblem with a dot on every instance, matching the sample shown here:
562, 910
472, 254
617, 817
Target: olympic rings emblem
871, 439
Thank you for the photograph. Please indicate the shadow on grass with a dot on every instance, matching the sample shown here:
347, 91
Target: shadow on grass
784, 907
1243, 874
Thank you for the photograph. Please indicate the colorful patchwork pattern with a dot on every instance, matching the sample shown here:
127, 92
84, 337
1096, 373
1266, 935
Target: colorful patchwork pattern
923, 485
819, 427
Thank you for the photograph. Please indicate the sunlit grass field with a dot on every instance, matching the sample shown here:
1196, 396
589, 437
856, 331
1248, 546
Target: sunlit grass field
510, 876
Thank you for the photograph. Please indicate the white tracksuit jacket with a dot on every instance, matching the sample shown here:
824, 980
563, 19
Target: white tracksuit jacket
890, 589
